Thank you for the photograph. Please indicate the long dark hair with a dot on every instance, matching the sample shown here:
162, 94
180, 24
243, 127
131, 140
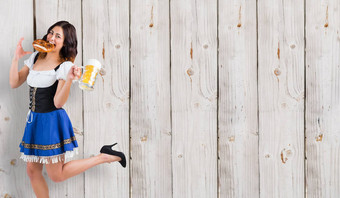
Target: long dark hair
69, 51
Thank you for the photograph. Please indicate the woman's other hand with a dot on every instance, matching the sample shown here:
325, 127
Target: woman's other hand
74, 73
19, 52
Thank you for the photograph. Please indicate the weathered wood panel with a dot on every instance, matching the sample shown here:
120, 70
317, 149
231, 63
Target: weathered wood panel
47, 13
106, 108
185, 139
150, 99
237, 104
323, 98
16, 22
281, 98
194, 98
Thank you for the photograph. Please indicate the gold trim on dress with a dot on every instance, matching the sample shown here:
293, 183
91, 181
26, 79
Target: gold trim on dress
48, 147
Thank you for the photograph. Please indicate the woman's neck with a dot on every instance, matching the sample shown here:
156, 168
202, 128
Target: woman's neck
53, 56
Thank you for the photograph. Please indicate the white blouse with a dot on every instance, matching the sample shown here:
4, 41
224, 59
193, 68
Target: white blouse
45, 78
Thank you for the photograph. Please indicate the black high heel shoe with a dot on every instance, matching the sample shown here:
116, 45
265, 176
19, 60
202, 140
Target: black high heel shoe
108, 150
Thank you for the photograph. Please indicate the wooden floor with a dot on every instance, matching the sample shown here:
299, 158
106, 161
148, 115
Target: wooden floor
207, 98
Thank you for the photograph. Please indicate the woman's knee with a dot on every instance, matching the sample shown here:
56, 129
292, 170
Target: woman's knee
56, 178
54, 172
34, 170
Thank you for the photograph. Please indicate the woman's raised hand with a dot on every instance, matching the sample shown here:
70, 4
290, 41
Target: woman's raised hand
19, 52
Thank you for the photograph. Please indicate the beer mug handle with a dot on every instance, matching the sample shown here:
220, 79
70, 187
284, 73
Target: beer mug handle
102, 71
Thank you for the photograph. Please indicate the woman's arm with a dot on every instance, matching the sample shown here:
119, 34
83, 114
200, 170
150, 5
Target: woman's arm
17, 78
62, 93
64, 87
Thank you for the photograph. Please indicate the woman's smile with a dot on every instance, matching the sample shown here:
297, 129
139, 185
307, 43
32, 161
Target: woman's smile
56, 37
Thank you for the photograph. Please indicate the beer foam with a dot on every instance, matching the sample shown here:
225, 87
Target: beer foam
94, 62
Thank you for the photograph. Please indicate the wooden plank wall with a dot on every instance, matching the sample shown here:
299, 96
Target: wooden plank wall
281, 97
206, 98
106, 109
13, 103
238, 172
150, 99
322, 98
194, 97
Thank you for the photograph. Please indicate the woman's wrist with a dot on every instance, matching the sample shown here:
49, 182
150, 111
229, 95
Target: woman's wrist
68, 81
15, 59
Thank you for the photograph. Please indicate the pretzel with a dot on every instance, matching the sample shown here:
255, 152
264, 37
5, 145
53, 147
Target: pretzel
42, 45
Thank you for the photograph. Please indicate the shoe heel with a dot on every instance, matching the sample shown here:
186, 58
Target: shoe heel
113, 145
107, 147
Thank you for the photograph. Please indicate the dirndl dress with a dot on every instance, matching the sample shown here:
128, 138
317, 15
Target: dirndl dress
48, 136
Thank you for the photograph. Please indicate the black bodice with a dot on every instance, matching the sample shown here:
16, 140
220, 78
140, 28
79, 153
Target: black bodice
41, 99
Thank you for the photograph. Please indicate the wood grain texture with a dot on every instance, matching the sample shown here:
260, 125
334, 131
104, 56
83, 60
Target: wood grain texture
13, 102
194, 98
323, 98
150, 100
217, 104
237, 104
281, 98
47, 13
106, 108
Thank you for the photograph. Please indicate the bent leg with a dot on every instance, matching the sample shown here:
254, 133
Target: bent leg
39, 185
59, 172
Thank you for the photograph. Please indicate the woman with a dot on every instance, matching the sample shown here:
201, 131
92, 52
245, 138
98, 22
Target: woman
48, 138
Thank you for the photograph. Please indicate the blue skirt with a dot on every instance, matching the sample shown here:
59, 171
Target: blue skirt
48, 138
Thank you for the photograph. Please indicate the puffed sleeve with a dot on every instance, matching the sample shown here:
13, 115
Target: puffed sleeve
63, 70
30, 61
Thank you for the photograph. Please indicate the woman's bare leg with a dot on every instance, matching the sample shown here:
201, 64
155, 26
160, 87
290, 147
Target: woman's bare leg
59, 172
39, 185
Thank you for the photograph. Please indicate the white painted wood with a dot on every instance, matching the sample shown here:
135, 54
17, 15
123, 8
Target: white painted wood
150, 99
16, 22
177, 156
47, 13
238, 172
281, 98
106, 108
323, 98
194, 98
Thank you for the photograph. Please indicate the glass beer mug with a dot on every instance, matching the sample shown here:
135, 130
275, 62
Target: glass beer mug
90, 72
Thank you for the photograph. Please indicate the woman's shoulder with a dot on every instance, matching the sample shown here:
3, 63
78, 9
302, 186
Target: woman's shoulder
30, 61
63, 69
66, 64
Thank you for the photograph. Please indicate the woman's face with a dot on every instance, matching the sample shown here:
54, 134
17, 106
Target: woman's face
56, 37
